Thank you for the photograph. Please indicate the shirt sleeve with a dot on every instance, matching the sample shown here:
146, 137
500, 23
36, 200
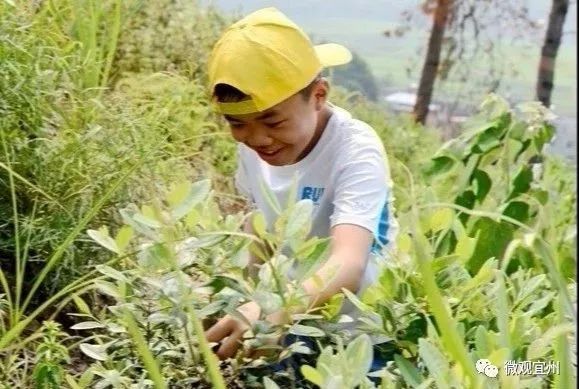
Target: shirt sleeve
361, 190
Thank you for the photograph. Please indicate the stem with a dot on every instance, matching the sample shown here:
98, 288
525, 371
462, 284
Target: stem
144, 352
14, 309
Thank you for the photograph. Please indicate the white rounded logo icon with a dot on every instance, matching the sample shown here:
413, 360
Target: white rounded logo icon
491, 371
484, 366
481, 364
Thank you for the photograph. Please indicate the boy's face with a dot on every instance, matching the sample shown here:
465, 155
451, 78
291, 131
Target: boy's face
279, 135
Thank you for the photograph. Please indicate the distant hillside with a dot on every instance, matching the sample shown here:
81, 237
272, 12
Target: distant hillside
394, 61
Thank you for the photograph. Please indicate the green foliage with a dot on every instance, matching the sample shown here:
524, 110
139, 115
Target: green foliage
64, 146
167, 35
184, 264
484, 265
494, 270
346, 368
50, 355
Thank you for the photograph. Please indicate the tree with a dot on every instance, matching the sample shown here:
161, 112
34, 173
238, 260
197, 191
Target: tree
475, 49
549, 51
431, 63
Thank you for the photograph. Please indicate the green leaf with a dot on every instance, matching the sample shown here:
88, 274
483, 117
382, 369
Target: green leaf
521, 182
333, 306
127, 216
435, 362
299, 220
408, 371
482, 184
146, 220
111, 273
269, 383
483, 276
178, 193
481, 342
312, 375
47, 375
197, 193
518, 210
124, 236
439, 165
441, 219
356, 301
466, 200
493, 239
465, 247
87, 325
270, 197
258, 224
538, 348
108, 289
518, 130
94, 351
490, 138
305, 249
220, 282
102, 237
71, 382
156, 257
543, 136
81, 305
268, 302
86, 378
359, 354
513, 147
477, 125
210, 309
443, 262
541, 195
302, 330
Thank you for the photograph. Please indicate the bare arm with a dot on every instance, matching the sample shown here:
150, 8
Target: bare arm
345, 266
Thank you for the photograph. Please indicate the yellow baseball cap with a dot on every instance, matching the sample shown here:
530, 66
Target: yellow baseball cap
269, 58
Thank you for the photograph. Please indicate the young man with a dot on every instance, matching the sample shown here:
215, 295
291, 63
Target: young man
265, 79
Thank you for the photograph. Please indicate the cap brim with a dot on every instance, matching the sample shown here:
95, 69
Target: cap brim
332, 54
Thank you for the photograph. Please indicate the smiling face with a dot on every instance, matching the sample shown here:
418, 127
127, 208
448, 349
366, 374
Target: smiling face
285, 133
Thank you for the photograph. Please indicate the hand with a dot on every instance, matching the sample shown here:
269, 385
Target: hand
229, 331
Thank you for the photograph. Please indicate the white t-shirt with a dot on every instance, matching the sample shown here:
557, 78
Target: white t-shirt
347, 177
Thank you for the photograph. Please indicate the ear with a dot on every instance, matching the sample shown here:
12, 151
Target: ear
320, 93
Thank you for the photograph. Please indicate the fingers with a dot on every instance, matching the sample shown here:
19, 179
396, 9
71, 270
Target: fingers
230, 345
219, 330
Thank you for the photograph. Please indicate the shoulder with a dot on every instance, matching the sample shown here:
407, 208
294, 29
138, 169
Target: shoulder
356, 138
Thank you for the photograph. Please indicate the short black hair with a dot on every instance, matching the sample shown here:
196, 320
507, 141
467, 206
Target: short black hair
226, 93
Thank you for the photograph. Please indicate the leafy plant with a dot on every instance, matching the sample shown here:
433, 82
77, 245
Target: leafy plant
50, 356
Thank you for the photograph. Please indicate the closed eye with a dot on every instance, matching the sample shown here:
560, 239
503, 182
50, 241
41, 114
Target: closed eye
275, 124
236, 124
